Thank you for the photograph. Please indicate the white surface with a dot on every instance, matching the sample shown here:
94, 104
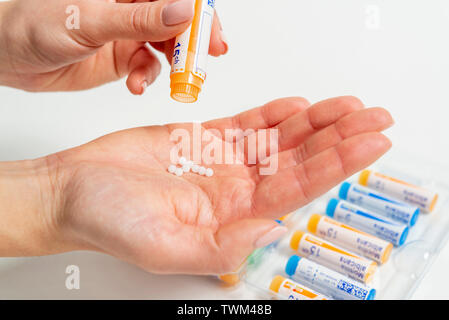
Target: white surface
316, 49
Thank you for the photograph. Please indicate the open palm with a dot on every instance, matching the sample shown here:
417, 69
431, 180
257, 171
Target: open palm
119, 198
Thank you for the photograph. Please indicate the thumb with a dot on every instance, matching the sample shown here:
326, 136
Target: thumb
144, 21
239, 239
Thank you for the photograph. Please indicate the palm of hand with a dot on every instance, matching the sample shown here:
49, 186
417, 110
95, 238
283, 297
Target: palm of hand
120, 199
125, 201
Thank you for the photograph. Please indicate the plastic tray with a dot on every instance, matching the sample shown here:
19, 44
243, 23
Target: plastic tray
396, 279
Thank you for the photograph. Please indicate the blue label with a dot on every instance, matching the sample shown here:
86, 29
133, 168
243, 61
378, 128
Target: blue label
352, 289
363, 214
211, 3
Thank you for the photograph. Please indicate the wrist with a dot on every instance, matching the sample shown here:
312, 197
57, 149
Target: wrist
30, 202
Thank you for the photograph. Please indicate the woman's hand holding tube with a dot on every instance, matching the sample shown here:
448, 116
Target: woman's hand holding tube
66, 45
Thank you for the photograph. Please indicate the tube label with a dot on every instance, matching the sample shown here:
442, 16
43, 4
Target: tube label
192, 47
352, 239
294, 291
402, 190
329, 282
369, 222
397, 211
180, 52
333, 257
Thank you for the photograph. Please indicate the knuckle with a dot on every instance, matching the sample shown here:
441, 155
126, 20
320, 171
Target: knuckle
141, 17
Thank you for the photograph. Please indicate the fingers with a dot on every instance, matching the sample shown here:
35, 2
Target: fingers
294, 187
295, 130
217, 47
166, 47
144, 68
263, 117
144, 21
362, 121
238, 240
202, 250
218, 42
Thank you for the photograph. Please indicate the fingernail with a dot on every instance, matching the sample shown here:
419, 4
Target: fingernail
144, 85
177, 12
270, 237
225, 41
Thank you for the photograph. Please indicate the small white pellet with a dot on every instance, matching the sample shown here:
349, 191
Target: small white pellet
182, 161
186, 168
172, 168
195, 168
179, 172
190, 163
202, 171
209, 172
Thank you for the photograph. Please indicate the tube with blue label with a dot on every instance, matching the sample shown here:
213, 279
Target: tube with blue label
327, 281
395, 210
367, 221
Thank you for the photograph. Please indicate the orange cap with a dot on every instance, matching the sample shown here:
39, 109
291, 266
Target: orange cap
364, 175
434, 202
185, 92
370, 272
296, 239
313, 222
186, 81
276, 283
387, 253
231, 279
185, 87
284, 217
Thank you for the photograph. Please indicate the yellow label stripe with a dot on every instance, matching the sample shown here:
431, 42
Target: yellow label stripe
295, 288
335, 223
329, 247
380, 175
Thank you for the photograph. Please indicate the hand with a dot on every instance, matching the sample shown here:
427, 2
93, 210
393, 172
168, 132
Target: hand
39, 53
114, 194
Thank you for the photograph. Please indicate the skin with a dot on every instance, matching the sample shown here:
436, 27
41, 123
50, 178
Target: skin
38, 52
114, 194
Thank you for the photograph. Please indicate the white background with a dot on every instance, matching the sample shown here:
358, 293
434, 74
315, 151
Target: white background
311, 48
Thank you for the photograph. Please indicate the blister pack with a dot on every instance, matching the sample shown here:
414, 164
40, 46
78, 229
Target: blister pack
364, 239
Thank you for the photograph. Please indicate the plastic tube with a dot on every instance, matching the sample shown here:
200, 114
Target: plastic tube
190, 54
